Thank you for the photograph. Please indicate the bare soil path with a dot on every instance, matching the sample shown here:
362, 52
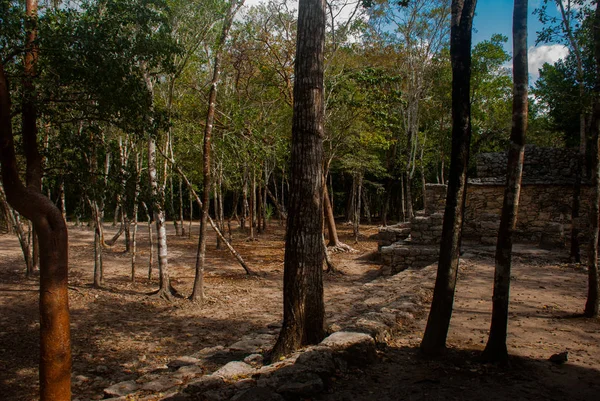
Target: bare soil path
119, 332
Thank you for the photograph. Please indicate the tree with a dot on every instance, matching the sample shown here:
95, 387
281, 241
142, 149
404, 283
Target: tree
496, 349
571, 16
436, 331
303, 307
592, 304
198, 291
420, 31
55, 337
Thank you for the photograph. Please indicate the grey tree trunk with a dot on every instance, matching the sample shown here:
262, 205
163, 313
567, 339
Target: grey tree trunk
496, 349
198, 290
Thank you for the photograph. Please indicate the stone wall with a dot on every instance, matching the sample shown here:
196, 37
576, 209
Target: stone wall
435, 198
541, 165
539, 206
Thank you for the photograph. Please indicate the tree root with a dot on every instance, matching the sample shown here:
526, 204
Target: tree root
340, 247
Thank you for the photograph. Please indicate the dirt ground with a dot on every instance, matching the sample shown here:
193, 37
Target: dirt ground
119, 332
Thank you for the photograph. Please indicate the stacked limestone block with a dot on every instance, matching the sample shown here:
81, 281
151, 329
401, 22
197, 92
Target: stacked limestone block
391, 234
422, 247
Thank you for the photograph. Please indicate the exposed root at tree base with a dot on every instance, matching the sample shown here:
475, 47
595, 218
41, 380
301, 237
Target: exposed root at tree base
340, 247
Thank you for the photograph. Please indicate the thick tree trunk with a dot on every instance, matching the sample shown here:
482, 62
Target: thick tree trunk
303, 307
434, 339
593, 302
198, 290
496, 349
55, 337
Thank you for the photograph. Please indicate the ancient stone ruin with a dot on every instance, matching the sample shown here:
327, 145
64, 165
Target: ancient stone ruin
544, 210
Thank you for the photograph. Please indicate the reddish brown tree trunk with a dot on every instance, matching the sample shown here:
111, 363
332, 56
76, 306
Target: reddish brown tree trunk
496, 349
438, 322
55, 338
303, 307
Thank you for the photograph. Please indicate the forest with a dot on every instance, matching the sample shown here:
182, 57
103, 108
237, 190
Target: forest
179, 176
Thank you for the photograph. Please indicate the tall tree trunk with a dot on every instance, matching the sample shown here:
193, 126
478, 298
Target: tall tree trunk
165, 289
198, 290
496, 349
55, 337
181, 207
303, 307
252, 206
150, 241
436, 331
334, 240
260, 213
593, 303
244, 216
136, 195
191, 216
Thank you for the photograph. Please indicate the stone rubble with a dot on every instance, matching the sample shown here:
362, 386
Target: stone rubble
380, 308
544, 209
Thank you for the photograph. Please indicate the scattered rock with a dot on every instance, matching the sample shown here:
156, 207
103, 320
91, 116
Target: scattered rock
355, 348
254, 359
186, 372
293, 380
234, 370
204, 384
162, 384
318, 360
183, 361
121, 389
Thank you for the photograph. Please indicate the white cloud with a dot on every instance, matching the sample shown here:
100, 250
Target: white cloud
544, 54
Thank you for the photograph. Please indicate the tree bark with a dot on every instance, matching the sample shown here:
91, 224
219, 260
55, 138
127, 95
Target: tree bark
303, 307
55, 337
436, 331
496, 349
198, 290
593, 303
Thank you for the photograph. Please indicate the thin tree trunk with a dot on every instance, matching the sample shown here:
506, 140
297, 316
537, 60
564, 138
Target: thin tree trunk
252, 207
13, 220
436, 331
150, 241
496, 349
165, 289
181, 207
402, 197
198, 290
191, 216
63, 204
136, 195
244, 200
259, 210
210, 220
334, 241
592, 304
303, 306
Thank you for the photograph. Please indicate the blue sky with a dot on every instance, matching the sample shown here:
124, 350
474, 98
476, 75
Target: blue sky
495, 16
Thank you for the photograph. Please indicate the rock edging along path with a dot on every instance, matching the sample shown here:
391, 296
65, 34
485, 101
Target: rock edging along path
373, 313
